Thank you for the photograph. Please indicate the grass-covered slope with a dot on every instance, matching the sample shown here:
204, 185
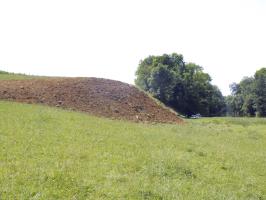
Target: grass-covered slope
49, 153
12, 76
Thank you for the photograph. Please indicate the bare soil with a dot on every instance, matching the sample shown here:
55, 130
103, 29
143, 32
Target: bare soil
100, 97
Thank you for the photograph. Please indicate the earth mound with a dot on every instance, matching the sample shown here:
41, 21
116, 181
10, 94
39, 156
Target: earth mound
100, 97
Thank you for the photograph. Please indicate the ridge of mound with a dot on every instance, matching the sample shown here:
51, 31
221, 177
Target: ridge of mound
100, 97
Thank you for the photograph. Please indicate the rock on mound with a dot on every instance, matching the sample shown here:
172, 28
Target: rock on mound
100, 97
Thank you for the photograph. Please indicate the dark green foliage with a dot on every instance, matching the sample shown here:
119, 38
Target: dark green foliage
163, 81
242, 100
248, 98
260, 92
183, 86
3, 72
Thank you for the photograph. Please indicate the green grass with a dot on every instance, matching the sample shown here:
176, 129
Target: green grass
12, 76
48, 153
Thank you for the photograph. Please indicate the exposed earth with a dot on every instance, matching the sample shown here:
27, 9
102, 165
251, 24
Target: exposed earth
100, 97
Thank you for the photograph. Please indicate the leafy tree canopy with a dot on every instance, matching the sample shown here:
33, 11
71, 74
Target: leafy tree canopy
182, 86
248, 98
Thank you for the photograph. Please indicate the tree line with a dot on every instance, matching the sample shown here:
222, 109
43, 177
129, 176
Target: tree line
248, 98
186, 88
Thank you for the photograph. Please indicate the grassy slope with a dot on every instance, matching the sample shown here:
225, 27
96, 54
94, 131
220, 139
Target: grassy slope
48, 153
13, 76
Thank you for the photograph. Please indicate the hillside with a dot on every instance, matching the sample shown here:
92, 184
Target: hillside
13, 76
100, 97
49, 153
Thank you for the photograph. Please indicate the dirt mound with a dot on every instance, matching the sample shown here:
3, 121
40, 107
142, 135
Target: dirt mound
100, 97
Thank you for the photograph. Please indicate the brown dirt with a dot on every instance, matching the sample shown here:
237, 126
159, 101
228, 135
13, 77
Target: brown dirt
100, 97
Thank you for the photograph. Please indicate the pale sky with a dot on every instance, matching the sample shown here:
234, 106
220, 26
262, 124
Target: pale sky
108, 38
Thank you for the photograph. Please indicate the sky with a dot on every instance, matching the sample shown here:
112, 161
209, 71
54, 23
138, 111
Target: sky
103, 38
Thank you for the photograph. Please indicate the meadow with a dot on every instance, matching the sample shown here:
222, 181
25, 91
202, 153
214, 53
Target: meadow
15, 76
12, 76
48, 153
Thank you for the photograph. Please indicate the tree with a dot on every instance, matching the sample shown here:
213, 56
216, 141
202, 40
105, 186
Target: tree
248, 98
217, 105
242, 99
247, 89
260, 92
234, 105
162, 82
183, 86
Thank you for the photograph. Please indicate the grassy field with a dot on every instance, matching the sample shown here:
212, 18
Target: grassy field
48, 153
13, 76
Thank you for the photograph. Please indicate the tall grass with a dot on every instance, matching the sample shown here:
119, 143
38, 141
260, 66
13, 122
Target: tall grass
48, 153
